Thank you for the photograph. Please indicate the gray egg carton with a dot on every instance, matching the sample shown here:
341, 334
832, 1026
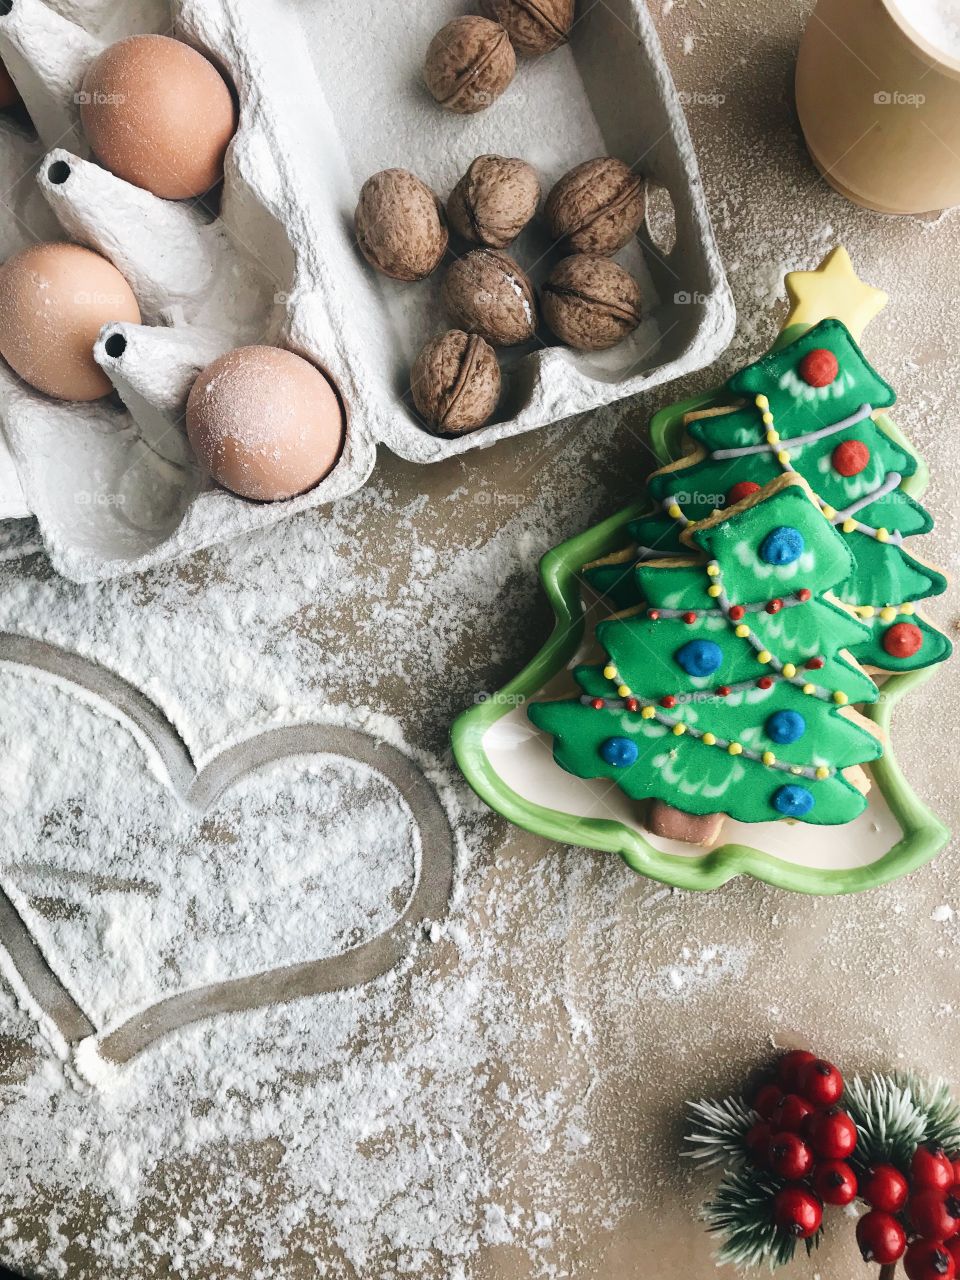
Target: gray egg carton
329, 93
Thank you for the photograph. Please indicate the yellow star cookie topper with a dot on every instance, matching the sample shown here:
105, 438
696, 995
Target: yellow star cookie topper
833, 291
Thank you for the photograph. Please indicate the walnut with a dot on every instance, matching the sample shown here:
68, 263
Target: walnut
400, 225
494, 201
534, 26
590, 302
597, 207
469, 63
487, 293
455, 382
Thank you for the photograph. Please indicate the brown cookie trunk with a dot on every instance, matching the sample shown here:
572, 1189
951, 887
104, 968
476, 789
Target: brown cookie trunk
673, 824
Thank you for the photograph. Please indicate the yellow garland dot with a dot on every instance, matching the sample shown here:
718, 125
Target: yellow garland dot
881, 534
679, 729
709, 739
714, 589
840, 698
610, 673
674, 511
647, 713
769, 758
713, 569
789, 670
887, 614
773, 437
742, 631
809, 688
735, 749
768, 419
849, 526
823, 771
907, 608
828, 511
762, 402
867, 611
624, 691
764, 656
783, 457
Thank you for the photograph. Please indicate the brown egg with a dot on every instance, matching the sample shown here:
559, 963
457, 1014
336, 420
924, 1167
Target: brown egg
158, 114
265, 423
54, 300
9, 93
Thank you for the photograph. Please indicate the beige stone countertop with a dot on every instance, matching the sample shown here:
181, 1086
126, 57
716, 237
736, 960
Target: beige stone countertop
603, 1001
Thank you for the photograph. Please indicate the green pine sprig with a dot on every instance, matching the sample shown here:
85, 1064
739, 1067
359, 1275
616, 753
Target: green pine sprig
741, 1213
890, 1121
941, 1111
718, 1131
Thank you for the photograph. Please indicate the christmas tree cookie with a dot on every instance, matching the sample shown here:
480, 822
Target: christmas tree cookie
809, 408
728, 692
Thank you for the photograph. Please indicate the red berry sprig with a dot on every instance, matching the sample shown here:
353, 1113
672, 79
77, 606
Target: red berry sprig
924, 1208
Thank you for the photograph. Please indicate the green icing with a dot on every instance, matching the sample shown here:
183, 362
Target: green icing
882, 572
683, 770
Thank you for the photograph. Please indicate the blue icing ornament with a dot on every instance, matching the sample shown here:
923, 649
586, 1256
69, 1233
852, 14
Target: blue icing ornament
620, 752
699, 657
792, 801
785, 726
782, 546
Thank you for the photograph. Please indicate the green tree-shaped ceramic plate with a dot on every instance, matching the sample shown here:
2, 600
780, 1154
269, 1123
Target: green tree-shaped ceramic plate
510, 764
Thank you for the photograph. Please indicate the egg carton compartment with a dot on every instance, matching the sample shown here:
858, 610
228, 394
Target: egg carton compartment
328, 94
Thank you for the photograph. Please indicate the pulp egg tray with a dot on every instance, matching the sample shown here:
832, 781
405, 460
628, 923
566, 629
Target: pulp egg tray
329, 93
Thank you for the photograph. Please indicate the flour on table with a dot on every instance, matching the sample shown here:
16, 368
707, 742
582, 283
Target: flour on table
937, 21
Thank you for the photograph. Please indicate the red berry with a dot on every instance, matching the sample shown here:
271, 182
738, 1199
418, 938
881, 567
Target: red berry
880, 1237
930, 1170
832, 1134
934, 1215
953, 1248
790, 1066
767, 1097
835, 1182
757, 1141
790, 1113
819, 367
821, 1083
742, 489
790, 1157
850, 458
798, 1212
928, 1260
884, 1187
956, 1170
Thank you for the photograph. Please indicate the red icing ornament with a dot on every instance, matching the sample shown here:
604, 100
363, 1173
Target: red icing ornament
742, 489
668, 701
632, 704
819, 367
736, 612
804, 594
902, 640
597, 704
765, 682
689, 616
850, 458
653, 615
773, 606
723, 690
814, 664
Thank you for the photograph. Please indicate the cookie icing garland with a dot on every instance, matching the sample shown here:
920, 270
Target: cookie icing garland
771, 434
764, 673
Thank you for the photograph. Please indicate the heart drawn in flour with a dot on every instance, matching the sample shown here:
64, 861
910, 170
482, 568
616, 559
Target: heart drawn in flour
140, 893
